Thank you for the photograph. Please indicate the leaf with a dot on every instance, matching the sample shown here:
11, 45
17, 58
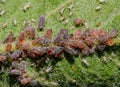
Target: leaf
108, 17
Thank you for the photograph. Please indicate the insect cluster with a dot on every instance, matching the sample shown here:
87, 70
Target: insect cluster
30, 45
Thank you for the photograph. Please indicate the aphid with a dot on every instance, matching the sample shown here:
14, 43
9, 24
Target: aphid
23, 66
41, 22
113, 33
14, 22
101, 47
25, 81
21, 38
18, 45
27, 46
71, 51
103, 39
51, 51
84, 61
110, 42
94, 33
92, 49
90, 41
98, 8
101, 33
59, 51
78, 34
46, 41
57, 39
15, 72
2, 12
2, 58
30, 32
64, 34
85, 51
49, 33
26, 7
23, 53
33, 53
4, 25
80, 45
78, 22
86, 34
10, 38
16, 54
9, 47
15, 65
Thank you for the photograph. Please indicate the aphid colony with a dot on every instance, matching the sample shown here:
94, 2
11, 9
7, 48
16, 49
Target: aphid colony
29, 45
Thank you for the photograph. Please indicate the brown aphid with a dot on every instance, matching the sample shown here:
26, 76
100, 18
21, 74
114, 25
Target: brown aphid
2, 58
59, 52
110, 42
21, 38
10, 38
49, 33
92, 49
23, 66
78, 22
27, 46
71, 51
51, 51
26, 7
101, 47
18, 45
23, 53
4, 25
15, 72
9, 47
85, 51
78, 34
101, 33
25, 81
89, 41
15, 65
86, 34
16, 54
94, 33
30, 32
41, 22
